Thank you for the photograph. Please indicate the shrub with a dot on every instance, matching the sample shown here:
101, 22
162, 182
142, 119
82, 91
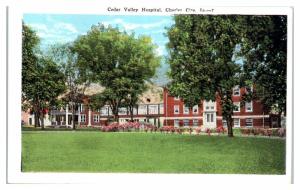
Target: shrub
220, 129
281, 132
245, 131
208, 131
255, 131
198, 130
179, 131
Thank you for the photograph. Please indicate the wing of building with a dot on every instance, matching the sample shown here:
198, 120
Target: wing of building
158, 107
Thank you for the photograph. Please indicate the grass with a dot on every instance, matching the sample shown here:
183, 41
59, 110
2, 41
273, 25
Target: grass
93, 151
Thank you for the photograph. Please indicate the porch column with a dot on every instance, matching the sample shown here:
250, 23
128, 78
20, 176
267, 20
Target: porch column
67, 118
79, 112
89, 118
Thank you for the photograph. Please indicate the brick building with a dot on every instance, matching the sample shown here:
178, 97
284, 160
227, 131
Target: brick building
167, 111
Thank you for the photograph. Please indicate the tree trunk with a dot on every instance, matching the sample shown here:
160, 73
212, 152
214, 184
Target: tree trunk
42, 121
279, 119
229, 126
37, 119
131, 113
73, 117
116, 114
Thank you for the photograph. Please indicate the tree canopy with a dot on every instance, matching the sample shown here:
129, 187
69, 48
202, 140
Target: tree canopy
117, 61
265, 58
42, 80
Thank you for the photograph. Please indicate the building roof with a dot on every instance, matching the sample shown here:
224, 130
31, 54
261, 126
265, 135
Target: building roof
153, 95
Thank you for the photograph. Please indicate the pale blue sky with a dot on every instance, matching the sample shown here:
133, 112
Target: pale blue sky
61, 28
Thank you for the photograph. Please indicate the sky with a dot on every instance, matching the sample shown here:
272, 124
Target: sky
62, 28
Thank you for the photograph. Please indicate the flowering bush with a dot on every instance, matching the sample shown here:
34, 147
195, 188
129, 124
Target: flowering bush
220, 129
208, 131
167, 129
198, 130
179, 130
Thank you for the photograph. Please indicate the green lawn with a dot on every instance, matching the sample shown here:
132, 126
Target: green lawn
94, 151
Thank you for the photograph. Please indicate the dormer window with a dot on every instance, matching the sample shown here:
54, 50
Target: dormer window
176, 109
236, 91
186, 109
195, 109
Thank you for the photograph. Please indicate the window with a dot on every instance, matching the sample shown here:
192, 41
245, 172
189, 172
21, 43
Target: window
237, 107
153, 109
224, 122
80, 108
104, 111
209, 117
96, 118
82, 118
122, 111
176, 109
186, 109
185, 122
195, 109
212, 117
176, 123
249, 122
142, 109
249, 106
195, 122
176, 98
248, 89
236, 122
236, 91
209, 105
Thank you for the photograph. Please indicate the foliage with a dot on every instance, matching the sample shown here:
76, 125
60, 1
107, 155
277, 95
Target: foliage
203, 51
265, 58
117, 61
42, 80
76, 80
280, 132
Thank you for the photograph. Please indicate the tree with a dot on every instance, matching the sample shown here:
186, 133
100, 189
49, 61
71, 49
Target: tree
76, 80
264, 51
42, 81
203, 52
117, 61
30, 42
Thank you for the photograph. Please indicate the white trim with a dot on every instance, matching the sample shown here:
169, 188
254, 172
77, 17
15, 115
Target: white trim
184, 111
183, 117
234, 88
177, 98
237, 126
195, 107
250, 116
96, 118
175, 113
251, 122
251, 103
239, 106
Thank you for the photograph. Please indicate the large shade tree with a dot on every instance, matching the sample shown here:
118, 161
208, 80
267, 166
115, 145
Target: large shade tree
203, 51
264, 50
76, 80
42, 81
118, 62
